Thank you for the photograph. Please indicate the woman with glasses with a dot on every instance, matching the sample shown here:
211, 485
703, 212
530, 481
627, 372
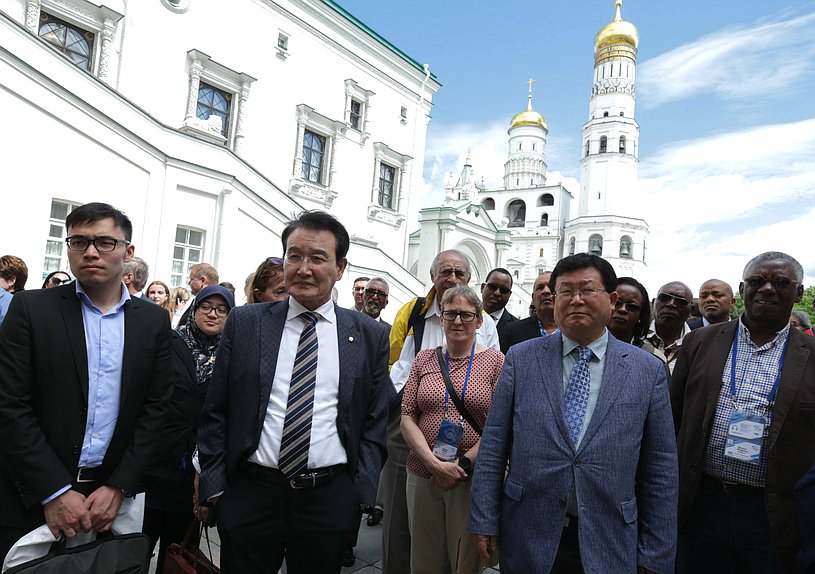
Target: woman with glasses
171, 500
632, 315
267, 284
443, 440
55, 279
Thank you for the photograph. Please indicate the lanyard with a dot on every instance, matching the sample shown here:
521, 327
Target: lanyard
543, 331
466, 378
734, 351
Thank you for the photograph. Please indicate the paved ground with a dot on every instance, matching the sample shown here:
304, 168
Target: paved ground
368, 551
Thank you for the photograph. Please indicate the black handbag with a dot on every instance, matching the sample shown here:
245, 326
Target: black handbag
108, 554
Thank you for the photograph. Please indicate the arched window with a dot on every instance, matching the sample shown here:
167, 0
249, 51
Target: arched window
622, 144
596, 244
75, 43
516, 274
540, 254
625, 247
588, 147
545, 220
516, 213
488, 203
546, 200
571, 246
603, 144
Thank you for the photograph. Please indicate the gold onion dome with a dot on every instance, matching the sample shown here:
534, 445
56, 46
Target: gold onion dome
529, 117
617, 32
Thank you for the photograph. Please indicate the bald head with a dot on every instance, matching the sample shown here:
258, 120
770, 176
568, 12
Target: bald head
716, 300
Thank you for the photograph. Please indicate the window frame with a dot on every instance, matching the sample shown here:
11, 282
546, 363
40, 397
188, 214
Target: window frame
63, 263
355, 93
186, 263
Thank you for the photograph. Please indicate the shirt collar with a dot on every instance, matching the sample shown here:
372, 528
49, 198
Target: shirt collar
326, 310
780, 337
83, 297
433, 309
497, 314
657, 341
598, 346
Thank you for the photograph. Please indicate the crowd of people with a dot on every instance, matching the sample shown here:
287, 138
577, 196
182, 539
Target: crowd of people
605, 432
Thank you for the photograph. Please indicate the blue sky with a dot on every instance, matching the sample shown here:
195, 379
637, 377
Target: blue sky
725, 94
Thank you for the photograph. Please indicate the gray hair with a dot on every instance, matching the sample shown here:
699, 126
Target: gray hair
140, 272
378, 279
463, 292
434, 266
803, 317
772, 256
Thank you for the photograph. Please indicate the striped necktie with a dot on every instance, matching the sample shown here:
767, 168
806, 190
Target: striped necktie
576, 399
296, 437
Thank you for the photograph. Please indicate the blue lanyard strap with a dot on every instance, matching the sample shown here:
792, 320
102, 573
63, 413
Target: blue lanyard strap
466, 378
734, 352
543, 331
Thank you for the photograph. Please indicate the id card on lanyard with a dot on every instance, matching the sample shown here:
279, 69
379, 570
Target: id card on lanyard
451, 432
745, 433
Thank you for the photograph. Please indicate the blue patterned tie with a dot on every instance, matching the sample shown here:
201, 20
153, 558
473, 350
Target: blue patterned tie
296, 437
577, 394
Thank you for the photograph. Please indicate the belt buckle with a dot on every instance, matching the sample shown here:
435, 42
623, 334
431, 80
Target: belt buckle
311, 475
79, 475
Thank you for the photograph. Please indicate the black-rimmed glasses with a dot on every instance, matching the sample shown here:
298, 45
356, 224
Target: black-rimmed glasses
376, 293
465, 316
500, 288
633, 307
778, 283
101, 244
678, 301
58, 281
206, 309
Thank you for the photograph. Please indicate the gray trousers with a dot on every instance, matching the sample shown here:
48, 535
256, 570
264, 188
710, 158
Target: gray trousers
392, 495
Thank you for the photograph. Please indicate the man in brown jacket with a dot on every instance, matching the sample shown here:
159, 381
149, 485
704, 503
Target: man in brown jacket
743, 397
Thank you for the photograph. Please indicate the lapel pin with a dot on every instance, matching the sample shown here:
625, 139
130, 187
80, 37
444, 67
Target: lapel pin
350, 339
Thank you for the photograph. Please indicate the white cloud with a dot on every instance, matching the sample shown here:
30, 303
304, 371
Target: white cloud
735, 64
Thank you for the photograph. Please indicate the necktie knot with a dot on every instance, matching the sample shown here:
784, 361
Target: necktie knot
585, 354
310, 318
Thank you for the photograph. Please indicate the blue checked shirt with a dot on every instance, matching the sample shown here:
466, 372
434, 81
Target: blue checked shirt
756, 371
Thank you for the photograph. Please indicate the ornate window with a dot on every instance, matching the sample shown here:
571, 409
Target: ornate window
216, 101
571, 246
488, 203
387, 177
516, 213
73, 42
603, 144
187, 251
313, 152
622, 144
356, 114
357, 106
56, 259
545, 220
625, 247
546, 200
596, 244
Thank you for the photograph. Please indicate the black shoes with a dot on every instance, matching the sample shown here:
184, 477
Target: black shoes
348, 557
374, 516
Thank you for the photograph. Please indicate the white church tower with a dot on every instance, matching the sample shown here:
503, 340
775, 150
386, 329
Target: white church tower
609, 220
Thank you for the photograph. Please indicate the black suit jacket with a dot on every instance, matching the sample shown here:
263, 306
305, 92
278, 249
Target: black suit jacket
44, 395
506, 319
695, 324
518, 331
232, 419
695, 387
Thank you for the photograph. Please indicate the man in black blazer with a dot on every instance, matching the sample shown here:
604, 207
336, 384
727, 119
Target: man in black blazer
495, 293
292, 435
715, 302
85, 375
542, 323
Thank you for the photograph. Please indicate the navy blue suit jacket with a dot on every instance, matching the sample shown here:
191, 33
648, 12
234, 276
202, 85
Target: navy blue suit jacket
232, 419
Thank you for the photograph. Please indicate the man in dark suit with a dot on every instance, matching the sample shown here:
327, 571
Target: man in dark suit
715, 302
743, 400
85, 374
495, 293
292, 435
541, 324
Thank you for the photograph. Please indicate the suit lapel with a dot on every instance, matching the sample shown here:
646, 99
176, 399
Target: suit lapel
614, 376
792, 372
720, 348
133, 331
550, 363
349, 346
71, 309
269, 335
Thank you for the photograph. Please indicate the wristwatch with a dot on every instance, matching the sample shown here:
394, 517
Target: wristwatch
466, 465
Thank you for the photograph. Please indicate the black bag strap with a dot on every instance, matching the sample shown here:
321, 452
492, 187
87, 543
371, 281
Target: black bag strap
418, 328
454, 396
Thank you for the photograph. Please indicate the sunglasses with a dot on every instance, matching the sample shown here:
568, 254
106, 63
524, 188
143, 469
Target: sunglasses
58, 281
778, 283
275, 260
493, 287
678, 301
633, 307
376, 293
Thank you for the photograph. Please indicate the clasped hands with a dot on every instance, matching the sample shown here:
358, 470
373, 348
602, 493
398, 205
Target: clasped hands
447, 475
71, 512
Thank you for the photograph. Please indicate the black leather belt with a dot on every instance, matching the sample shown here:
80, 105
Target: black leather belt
88, 474
734, 488
314, 478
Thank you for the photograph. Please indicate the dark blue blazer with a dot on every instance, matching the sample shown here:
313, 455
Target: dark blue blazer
232, 419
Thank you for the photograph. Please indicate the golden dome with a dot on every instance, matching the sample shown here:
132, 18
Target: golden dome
617, 32
528, 117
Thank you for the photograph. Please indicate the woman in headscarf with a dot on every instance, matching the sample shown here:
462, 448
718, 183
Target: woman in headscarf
169, 484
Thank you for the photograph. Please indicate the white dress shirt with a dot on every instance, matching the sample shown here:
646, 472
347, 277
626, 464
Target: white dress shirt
497, 314
326, 448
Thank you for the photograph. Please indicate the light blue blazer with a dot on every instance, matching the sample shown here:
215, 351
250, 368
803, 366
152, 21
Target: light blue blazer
625, 470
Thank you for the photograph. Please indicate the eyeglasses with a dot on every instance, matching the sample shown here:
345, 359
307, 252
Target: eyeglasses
465, 316
447, 271
274, 260
58, 281
359, 289
499, 288
101, 244
206, 309
585, 293
678, 301
778, 283
313, 260
376, 293
633, 307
